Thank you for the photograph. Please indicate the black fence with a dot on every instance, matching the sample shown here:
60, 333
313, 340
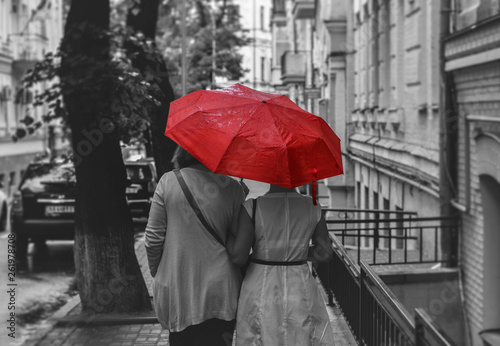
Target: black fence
373, 313
382, 237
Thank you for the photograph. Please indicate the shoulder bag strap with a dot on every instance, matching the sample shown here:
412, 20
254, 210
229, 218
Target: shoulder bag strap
253, 211
196, 208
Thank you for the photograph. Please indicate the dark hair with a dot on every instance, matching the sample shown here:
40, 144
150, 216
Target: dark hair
182, 158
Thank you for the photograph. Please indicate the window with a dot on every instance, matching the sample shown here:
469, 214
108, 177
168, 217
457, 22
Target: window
262, 69
233, 11
15, 6
400, 232
376, 217
262, 15
4, 107
385, 56
367, 206
43, 29
358, 195
387, 207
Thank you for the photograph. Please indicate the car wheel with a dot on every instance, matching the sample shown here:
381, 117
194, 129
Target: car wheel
41, 247
3, 218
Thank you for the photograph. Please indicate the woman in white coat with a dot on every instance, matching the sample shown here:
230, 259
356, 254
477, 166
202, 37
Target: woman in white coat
280, 302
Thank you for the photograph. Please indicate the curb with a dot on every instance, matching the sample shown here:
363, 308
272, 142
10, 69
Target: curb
52, 322
60, 319
105, 321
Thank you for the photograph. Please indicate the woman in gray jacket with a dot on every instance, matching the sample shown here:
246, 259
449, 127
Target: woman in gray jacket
196, 286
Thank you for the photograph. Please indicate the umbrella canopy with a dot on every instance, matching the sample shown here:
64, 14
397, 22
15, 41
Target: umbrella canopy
246, 133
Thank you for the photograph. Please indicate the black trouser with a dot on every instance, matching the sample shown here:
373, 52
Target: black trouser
213, 332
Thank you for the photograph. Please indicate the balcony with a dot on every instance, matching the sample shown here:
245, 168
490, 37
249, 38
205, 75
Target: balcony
304, 9
293, 67
5, 51
279, 19
27, 50
279, 13
276, 76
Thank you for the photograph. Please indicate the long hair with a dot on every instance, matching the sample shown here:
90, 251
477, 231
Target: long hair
182, 158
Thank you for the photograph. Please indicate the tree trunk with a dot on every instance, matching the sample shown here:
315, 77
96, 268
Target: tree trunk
144, 20
107, 271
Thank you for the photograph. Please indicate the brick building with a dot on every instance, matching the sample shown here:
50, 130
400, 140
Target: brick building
472, 53
28, 30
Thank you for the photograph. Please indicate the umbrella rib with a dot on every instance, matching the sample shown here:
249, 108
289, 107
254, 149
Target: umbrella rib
282, 145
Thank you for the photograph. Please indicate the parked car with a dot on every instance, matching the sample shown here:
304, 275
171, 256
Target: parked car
142, 178
3, 209
44, 205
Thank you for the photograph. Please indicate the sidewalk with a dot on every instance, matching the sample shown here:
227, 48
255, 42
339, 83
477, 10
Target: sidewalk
64, 330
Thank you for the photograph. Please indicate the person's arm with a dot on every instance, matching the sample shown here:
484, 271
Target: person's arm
240, 238
322, 250
156, 229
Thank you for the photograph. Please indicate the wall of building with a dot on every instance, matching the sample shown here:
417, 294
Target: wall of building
329, 73
27, 32
473, 62
396, 103
475, 96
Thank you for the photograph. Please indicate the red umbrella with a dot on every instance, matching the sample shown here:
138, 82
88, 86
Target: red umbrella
246, 133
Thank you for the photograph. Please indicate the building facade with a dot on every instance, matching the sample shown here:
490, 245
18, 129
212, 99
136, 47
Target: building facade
396, 115
28, 30
472, 55
310, 64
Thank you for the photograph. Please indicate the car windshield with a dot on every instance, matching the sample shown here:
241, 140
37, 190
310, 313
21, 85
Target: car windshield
38, 175
138, 173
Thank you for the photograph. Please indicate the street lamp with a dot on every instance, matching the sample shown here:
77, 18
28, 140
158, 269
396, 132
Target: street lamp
183, 57
212, 15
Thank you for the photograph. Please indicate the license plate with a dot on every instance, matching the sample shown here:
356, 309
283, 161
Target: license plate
132, 190
51, 210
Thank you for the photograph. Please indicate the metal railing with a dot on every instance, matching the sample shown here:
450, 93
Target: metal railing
384, 320
374, 315
382, 237
426, 332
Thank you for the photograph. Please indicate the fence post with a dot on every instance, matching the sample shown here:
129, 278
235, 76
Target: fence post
330, 275
361, 277
419, 330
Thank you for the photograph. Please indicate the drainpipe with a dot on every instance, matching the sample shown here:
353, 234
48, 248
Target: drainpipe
447, 142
